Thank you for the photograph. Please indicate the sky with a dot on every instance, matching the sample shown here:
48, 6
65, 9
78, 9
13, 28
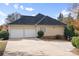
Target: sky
31, 9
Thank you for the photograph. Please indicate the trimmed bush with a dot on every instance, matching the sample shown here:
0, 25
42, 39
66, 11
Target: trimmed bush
75, 42
40, 34
4, 35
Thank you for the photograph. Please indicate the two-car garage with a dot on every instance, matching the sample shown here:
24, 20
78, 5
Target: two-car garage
21, 31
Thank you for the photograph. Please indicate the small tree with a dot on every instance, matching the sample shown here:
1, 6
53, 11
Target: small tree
12, 17
60, 18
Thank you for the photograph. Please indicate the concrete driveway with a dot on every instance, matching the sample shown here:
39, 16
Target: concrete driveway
37, 47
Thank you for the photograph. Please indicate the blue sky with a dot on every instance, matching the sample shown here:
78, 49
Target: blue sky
50, 9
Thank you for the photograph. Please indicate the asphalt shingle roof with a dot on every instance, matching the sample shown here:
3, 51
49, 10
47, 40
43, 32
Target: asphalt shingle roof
50, 21
32, 20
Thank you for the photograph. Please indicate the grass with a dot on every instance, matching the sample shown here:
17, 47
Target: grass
2, 46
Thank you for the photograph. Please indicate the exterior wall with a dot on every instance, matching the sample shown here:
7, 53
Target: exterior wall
55, 30
49, 30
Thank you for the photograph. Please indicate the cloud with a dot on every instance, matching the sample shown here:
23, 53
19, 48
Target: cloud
22, 7
29, 9
16, 6
2, 21
6, 4
2, 17
2, 13
65, 13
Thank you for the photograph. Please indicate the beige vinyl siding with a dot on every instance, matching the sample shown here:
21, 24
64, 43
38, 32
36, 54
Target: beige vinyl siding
50, 30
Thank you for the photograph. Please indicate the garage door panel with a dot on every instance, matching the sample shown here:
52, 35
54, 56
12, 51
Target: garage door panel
30, 33
16, 33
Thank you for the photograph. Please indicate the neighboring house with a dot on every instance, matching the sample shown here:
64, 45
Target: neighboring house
28, 26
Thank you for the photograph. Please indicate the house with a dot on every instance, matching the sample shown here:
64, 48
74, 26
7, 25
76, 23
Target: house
28, 26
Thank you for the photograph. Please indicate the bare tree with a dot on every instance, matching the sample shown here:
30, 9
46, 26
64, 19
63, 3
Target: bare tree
12, 17
74, 9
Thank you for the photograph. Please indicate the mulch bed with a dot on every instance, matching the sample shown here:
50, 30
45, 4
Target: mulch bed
50, 38
1, 53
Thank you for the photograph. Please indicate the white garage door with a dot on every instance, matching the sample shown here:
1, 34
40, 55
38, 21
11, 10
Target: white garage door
29, 33
22, 33
16, 33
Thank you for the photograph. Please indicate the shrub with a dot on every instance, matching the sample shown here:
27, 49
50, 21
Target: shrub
75, 42
76, 34
69, 32
4, 35
40, 34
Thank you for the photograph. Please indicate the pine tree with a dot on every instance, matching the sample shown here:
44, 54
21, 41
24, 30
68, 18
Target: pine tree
78, 16
70, 19
60, 18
